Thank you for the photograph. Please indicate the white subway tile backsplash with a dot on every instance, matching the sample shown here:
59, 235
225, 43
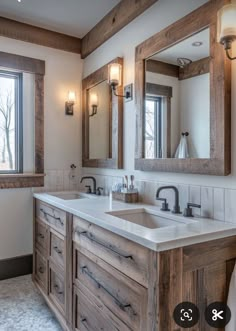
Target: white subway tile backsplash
219, 204
183, 196
207, 202
230, 206
195, 197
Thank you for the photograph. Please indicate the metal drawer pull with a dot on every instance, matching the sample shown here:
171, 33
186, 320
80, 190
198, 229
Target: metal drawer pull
84, 321
110, 247
40, 235
55, 218
41, 270
56, 287
56, 249
99, 285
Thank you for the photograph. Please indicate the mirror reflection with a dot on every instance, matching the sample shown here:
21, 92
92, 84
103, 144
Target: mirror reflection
99, 114
177, 100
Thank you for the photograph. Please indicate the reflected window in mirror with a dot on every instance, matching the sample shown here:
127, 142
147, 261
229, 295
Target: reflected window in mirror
177, 94
99, 114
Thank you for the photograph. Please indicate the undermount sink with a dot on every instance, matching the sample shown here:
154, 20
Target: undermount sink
148, 218
71, 195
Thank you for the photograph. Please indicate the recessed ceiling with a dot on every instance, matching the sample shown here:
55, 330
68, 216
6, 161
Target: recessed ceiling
72, 17
184, 49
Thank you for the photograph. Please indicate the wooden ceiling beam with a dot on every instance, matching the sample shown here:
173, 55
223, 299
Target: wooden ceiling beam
121, 15
32, 34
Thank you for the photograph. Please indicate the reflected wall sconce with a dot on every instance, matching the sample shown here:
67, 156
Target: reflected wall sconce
115, 80
69, 106
93, 104
227, 27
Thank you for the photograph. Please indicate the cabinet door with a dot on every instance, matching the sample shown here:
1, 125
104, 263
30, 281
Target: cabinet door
41, 237
41, 270
57, 249
57, 288
126, 299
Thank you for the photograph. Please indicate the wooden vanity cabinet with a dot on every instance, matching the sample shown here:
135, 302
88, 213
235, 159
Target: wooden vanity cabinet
96, 280
52, 266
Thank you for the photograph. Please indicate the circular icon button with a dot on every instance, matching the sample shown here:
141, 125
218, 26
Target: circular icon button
217, 315
186, 315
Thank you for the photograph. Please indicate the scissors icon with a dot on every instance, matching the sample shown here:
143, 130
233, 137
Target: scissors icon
217, 315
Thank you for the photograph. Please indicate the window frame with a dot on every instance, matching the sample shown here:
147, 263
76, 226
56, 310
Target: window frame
19, 153
22, 64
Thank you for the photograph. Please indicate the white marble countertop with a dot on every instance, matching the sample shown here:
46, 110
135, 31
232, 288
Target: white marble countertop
192, 231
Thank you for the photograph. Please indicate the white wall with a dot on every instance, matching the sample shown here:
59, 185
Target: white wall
62, 147
123, 44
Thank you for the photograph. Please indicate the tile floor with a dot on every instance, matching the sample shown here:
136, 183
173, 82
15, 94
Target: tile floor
23, 309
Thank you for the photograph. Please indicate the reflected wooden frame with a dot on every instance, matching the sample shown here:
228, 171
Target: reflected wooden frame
219, 162
36, 67
115, 161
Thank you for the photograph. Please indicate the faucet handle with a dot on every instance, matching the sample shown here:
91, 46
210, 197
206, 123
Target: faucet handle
99, 189
188, 212
165, 205
89, 191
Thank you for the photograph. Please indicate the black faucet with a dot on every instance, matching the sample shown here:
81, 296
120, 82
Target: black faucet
94, 191
176, 209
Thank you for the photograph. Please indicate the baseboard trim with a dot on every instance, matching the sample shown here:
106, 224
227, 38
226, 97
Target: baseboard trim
16, 266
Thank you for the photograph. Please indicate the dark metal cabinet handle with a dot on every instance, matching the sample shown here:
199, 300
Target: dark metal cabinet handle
56, 287
41, 270
57, 250
55, 218
90, 237
122, 306
40, 235
85, 323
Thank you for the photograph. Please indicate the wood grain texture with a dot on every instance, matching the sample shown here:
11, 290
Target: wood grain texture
195, 68
22, 63
33, 34
121, 15
116, 121
31, 180
220, 158
163, 68
159, 90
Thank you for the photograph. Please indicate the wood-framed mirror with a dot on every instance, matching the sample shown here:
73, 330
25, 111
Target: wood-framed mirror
102, 121
183, 98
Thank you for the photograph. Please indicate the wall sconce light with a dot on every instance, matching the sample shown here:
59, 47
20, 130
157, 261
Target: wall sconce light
227, 27
115, 80
93, 104
69, 106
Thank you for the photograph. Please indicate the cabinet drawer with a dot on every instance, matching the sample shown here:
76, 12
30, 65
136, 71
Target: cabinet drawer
41, 236
52, 216
41, 270
89, 316
125, 255
126, 299
57, 288
57, 249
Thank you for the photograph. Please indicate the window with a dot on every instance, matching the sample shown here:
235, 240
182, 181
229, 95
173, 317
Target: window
11, 131
153, 128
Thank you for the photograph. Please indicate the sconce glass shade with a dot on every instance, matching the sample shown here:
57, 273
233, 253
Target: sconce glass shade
93, 99
71, 97
227, 24
114, 74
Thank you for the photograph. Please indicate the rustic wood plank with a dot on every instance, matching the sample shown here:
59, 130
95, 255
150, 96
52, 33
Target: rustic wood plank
22, 63
170, 276
219, 162
39, 124
33, 34
163, 68
204, 254
21, 181
116, 121
121, 15
160, 90
195, 68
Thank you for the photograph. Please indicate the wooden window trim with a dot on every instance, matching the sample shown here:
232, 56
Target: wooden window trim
36, 67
